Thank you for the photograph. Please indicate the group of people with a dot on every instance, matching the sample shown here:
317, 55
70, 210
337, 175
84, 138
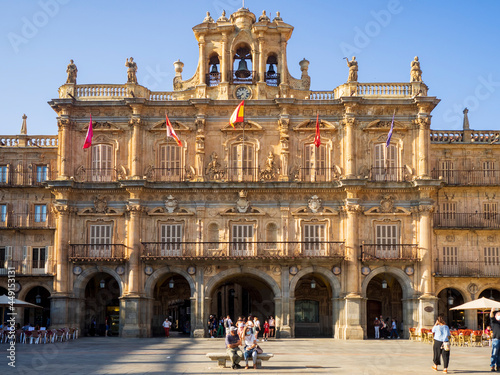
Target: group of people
244, 332
441, 346
385, 329
220, 327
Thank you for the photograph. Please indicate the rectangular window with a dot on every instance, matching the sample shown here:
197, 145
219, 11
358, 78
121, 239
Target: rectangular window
385, 163
387, 239
100, 240
447, 171
242, 162
449, 260
490, 210
39, 257
3, 213
40, 213
306, 311
3, 174
242, 240
314, 239
171, 240
102, 163
315, 163
5, 258
491, 256
448, 215
170, 163
41, 173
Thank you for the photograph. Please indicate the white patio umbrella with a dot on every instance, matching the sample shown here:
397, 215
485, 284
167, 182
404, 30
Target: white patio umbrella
482, 304
5, 302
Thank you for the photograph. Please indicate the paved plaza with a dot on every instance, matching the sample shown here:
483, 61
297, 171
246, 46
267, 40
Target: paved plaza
183, 355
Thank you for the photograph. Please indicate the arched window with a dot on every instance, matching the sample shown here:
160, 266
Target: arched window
272, 77
213, 75
315, 167
242, 162
102, 163
170, 162
242, 66
385, 163
271, 236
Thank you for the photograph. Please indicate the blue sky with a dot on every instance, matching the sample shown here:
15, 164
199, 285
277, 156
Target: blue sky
457, 43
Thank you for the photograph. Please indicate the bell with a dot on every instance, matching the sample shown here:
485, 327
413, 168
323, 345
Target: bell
271, 70
242, 71
214, 69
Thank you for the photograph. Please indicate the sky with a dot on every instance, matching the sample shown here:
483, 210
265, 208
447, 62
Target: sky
457, 43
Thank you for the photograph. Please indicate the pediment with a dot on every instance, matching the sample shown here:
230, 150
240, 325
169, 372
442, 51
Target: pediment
159, 211
177, 125
92, 212
310, 125
394, 211
248, 126
306, 210
103, 126
384, 125
235, 212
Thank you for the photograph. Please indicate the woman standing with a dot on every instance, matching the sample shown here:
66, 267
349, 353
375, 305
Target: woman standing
272, 326
441, 344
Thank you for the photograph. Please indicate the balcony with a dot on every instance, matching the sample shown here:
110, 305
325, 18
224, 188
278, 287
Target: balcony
316, 174
27, 221
255, 250
241, 80
97, 253
394, 252
272, 79
30, 178
389, 174
166, 175
96, 175
467, 221
474, 177
467, 136
212, 79
28, 267
467, 268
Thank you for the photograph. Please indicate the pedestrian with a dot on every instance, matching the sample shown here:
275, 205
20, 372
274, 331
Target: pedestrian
233, 350
376, 326
257, 327
240, 324
441, 344
228, 323
495, 342
166, 325
250, 347
394, 329
107, 327
272, 326
220, 328
266, 330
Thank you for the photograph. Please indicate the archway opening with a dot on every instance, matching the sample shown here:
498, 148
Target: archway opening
447, 299
243, 295
102, 306
172, 299
384, 299
242, 65
313, 307
4, 310
489, 293
40, 296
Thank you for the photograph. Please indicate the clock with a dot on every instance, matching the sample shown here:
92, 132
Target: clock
242, 92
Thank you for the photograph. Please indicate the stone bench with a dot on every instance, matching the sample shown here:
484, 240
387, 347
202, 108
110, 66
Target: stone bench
221, 358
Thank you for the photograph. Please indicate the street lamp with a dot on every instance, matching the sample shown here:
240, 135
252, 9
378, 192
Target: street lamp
313, 284
38, 298
102, 284
171, 284
384, 284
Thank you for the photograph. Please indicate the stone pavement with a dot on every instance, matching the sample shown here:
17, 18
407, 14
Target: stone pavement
183, 355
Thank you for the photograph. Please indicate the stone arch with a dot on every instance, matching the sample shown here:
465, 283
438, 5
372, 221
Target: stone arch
487, 286
458, 288
33, 284
81, 281
403, 279
155, 276
214, 281
332, 279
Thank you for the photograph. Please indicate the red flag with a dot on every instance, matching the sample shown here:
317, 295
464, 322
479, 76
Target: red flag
171, 131
238, 114
90, 133
317, 138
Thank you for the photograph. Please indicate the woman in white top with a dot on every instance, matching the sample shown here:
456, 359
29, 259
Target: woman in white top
250, 347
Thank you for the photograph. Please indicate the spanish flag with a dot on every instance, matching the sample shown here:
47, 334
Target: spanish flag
238, 114
171, 131
90, 134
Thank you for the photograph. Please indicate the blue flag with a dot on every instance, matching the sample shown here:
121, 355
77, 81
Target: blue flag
389, 136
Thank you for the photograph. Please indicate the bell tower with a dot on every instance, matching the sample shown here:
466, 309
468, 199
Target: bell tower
242, 57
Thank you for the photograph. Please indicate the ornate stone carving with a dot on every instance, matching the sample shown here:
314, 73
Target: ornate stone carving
171, 204
450, 238
353, 69
242, 204
315, 204
415, 73
278, 18
131, 71
387, 204
72, 71
263, 17
426, 209
100, 205
208, 18
223, 18
270, 171
214, 169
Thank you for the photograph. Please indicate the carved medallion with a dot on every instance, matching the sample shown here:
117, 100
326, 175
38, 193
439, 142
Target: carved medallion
314, 204
242, 204
171, 204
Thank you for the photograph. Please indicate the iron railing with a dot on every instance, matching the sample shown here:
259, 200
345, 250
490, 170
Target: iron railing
166, 174
242, 174
212, 79
317, 174
96, 175
272, 79
29, 178
237, 80
468, 176
97, 252
27, 221
386, 174
158, 250
28, 267
464, 220
389, 252
467, 268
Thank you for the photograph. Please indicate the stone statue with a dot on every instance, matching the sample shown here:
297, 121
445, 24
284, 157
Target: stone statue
71, 70
278, 17
415, 73
353, 69
269, 171
214, 170
208, 18
131, 71
264, 17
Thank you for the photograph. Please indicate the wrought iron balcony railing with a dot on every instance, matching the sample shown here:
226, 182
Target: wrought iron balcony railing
389, 174
28, 267
159, 250
475, 220
166, 174
272, 79
212, 79
475, 177
485, 268
28, 221
394, 252
96, 175
239, 80
29, 178
100, 252
316, 174
243, 174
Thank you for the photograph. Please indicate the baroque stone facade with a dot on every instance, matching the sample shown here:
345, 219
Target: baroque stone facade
251, 219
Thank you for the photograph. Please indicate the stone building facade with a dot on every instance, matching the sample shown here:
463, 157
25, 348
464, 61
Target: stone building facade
254, 219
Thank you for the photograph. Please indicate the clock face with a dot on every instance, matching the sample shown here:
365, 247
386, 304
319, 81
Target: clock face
243, 93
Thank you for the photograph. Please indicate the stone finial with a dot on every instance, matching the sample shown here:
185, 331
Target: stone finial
304, 64
466, 119
72, 71
264, 17
24, 128
415, 72
208, 18
277, 18
178, 65
223, 18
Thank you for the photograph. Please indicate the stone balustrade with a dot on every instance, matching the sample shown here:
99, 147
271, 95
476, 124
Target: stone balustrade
102, 91
111, 92
385, 89
465, 136
372, 90
161, 95
322, 95
39, 141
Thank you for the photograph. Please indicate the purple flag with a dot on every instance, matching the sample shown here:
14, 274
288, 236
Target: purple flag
389, 136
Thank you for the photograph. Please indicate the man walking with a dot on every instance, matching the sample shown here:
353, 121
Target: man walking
166, 325
495, 344
233, 350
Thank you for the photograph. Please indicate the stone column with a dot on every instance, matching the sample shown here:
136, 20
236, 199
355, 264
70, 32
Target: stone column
349, 147
64, 142
202, 305
223, 61
133, 246
262, 64
135, 160
423, 146
202, 60
284, 67
283, 320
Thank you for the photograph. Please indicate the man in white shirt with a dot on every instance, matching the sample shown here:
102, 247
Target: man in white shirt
166, 325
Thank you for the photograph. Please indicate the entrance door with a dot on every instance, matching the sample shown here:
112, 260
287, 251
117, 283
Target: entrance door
374, 310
